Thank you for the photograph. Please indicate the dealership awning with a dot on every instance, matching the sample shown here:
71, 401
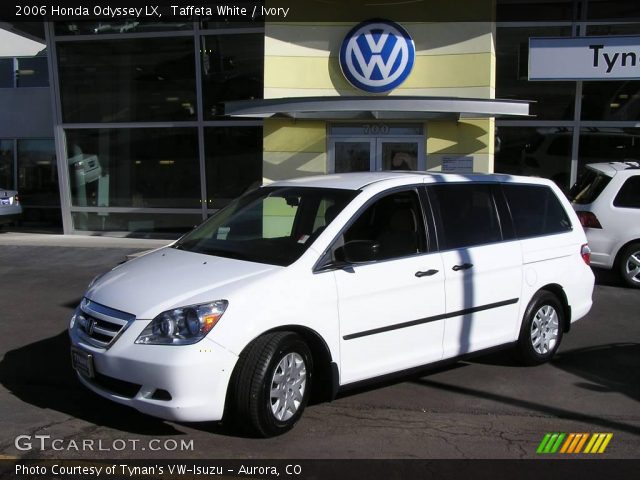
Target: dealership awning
378, 108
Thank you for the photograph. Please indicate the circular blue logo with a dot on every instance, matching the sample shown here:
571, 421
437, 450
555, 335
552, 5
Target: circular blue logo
377, 56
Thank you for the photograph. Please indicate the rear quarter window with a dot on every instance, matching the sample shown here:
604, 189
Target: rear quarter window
588, 187
535, 210
629, 194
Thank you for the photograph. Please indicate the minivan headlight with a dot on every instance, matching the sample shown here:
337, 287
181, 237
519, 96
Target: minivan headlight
184, 325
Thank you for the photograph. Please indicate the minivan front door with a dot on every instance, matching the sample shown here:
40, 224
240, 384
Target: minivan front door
391, 306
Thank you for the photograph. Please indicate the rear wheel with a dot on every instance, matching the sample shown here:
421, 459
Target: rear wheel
630, 265
272, 383
541, 330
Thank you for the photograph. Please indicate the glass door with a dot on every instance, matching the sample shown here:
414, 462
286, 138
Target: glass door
399, 154
351, 154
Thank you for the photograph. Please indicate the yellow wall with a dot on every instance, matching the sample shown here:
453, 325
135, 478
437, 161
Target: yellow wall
452, 59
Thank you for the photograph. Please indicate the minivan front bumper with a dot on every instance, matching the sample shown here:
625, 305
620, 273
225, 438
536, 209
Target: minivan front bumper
180, 383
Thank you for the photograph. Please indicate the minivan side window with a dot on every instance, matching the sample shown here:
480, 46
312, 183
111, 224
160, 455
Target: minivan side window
629, 194
467, 215
535, 210
394, 223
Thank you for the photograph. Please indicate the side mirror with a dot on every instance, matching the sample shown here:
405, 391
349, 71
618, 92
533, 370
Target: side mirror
358, 251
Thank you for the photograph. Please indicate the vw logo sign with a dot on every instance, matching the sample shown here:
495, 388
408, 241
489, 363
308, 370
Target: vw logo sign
377, 56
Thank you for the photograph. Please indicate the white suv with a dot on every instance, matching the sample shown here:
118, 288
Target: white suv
313, 285
607, 201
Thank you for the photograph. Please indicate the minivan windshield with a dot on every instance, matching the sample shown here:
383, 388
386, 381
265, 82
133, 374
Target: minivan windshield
589, 185
273, 225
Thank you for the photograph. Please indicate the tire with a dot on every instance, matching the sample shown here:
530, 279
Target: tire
542, 328
629, 265
279, 359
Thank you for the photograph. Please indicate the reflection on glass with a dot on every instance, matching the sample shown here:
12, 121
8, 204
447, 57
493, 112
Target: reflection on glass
127, 80
6, 164
139, 167
233, 162
38, 182
6, 73
118, 26
552, 100
352, 157
399, 156
32, 72
608, 145
536, 152
137, 223
611, 100
232, 69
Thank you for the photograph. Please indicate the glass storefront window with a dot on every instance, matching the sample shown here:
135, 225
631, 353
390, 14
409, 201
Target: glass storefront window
553, 100
7, 74
614, 29
32, 72
611, 100
535, 151
613, 9
6, 164
38, 182
233, 162
607, 144
122, 26
533, 10
127, 80
137, 223
232, 69
138, 167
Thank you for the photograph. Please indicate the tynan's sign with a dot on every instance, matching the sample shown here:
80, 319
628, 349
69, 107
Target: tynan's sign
377, 56
584, 58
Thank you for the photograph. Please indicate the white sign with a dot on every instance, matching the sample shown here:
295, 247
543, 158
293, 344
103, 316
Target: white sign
457, 164
584, 58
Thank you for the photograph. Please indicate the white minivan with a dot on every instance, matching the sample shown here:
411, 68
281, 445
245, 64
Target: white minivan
313, 285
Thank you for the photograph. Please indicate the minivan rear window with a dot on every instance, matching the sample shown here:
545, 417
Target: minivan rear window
535, 210
588, 187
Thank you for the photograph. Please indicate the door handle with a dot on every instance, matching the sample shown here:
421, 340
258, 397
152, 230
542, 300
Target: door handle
427, 273
464, 266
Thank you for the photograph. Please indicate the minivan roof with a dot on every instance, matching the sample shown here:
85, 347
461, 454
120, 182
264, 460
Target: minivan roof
359, 180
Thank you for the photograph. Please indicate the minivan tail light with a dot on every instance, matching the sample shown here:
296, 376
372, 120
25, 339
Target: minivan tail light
588, 220
585, 253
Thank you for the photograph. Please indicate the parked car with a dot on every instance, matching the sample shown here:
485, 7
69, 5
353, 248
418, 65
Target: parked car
10, 209
607, 200
315, 285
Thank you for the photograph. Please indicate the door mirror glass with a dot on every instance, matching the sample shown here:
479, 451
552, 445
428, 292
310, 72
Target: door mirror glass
358, 251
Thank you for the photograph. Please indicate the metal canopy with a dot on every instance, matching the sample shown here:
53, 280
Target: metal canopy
378, 108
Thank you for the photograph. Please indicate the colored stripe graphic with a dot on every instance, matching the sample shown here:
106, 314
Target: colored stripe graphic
550, 443
573, 443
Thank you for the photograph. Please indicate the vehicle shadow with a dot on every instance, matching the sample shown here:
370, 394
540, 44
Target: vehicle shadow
606, 368
608, 278
40, 374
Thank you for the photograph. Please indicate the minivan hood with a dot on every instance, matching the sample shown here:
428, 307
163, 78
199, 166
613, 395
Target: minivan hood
169, 278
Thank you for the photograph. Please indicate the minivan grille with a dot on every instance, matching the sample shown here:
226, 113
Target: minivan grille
99, 325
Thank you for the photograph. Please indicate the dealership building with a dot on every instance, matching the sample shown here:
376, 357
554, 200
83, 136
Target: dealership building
145, 128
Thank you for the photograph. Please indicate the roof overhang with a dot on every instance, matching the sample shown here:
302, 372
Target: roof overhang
377, 108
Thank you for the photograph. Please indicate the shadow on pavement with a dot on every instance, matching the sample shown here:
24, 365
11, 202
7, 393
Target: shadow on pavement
40, 374
606, 368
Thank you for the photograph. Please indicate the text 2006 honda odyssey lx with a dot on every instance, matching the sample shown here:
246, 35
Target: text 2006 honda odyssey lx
322, 282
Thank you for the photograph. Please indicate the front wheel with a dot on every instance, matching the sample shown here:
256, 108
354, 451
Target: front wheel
541, 330
273, 383
630, 265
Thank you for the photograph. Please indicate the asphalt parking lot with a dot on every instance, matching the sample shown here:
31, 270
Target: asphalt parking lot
488, 407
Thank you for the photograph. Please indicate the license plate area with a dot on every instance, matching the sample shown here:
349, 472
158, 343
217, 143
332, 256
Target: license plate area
4, 201
82, 362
